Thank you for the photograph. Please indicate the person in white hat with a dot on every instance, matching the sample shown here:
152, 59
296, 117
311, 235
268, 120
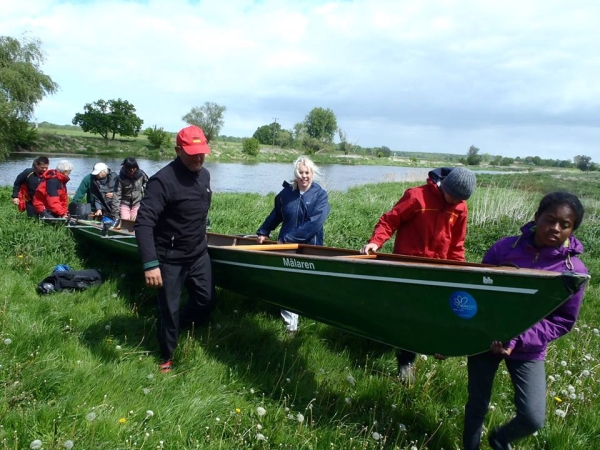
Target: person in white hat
97, 188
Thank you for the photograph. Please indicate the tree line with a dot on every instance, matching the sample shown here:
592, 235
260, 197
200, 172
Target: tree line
23, 85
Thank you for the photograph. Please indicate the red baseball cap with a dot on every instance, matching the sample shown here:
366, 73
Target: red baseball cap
192, 140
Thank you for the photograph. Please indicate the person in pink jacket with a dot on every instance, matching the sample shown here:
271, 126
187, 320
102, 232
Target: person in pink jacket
547, 243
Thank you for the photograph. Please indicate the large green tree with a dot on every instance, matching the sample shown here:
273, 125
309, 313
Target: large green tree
209, 117
110, 117
267, 134
321, 124
473, 156
22, 86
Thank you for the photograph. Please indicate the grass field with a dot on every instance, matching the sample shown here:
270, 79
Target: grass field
78, 370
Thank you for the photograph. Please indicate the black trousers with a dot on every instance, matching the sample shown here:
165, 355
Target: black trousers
196, 276
30, 210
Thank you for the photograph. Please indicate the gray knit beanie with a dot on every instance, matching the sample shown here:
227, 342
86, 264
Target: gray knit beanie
459, 183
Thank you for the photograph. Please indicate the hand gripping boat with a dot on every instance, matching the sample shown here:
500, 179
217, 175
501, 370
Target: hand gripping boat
424, 305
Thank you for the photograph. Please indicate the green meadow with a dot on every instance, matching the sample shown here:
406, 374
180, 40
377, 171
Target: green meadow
79, 370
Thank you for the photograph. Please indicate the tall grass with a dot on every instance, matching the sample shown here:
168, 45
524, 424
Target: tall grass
81, 367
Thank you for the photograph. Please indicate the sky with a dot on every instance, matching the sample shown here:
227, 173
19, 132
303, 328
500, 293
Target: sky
513, 78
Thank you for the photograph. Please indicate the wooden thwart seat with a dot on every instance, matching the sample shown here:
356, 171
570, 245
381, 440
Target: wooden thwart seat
263, 247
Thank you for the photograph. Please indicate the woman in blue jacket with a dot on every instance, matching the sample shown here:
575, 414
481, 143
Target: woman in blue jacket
301, 208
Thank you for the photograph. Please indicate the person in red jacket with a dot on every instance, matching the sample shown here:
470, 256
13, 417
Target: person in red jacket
429, 221
50, 198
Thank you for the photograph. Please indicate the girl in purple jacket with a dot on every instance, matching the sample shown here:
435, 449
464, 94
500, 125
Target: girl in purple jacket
546, 243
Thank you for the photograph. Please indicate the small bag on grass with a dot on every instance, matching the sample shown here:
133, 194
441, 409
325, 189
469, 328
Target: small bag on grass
70, 280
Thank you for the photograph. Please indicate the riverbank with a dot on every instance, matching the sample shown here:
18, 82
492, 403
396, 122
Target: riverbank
64, 142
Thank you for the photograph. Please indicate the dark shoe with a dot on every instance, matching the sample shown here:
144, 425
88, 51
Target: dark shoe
495, 443
166, 367
406, 373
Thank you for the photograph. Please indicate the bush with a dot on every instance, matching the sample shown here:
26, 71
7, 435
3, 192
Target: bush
158, 137
251, 146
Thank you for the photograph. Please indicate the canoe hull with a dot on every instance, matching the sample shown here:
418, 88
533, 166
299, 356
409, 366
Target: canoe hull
418, 304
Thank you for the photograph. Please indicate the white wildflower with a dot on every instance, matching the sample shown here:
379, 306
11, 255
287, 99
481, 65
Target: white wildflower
261, 411
150, 376
424, 357
91, 416
560, 413
218, 420
8, 341
351, 379
146, 391
570, 388
376, 435
114, 295
568, 373
300, 418
259, 427
348, 400
596, 331
260, 437
149, 414
252, 390
585, 373
68, 444
573, 396
118, 348
563, 363
35, 444
551, 378
402, 427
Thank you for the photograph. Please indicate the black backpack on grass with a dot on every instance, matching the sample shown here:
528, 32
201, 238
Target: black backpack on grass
70, 280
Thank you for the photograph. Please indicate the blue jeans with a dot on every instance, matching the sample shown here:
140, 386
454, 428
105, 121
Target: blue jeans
529, 381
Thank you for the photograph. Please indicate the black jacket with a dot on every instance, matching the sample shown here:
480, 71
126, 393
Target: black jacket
99, 187
171, 222
30, 178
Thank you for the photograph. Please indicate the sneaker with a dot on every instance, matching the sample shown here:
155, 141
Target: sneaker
166, 367
406, 373
495, 443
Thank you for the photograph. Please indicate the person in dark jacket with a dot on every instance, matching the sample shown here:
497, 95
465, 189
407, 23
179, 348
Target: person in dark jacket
429, 221
547, 243
102, 190
50, 199
27, 182
301, 208
129, 190
171, 233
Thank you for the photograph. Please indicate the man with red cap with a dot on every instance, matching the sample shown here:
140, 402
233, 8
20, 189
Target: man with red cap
171, 233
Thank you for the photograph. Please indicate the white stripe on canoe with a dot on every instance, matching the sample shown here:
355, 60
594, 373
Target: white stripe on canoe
481, 287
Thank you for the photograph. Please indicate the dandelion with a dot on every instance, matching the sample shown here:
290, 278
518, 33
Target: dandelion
150, 376
260, 437
585, 373
573, 396
560, 413
259, 427
118, 348
348, 400
492, 408
114, 296
149, 414
570, 388
568, 373
68, 444
424, 357
376, 435
287, 380
551, 378
91, 416
122, 420
35, 444
8, 341
218, 420
261, 411
238, 410
558, 399
402, 427
300, 418
596, 331
146, 391
563, 363
351, 380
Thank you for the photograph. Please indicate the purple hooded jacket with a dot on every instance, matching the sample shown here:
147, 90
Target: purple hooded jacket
519, 250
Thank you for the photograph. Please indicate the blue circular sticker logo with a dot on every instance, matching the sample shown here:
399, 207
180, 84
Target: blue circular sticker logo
463, 304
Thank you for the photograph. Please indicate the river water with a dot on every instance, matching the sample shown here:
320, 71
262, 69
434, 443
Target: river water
260, 178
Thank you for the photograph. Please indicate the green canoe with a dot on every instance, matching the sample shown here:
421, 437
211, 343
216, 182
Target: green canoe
424, 305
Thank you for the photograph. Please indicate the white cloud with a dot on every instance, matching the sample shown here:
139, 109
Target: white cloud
511, 77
